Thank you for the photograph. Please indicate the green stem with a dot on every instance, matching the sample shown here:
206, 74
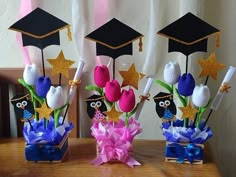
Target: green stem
45, 123
186, 119
126, 119
31, 90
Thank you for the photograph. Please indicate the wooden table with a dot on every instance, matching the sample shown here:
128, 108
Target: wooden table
149, 153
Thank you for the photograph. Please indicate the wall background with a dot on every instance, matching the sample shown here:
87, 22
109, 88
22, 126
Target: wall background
220, 14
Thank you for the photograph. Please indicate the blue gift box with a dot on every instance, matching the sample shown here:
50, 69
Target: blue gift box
184, 152
47, 152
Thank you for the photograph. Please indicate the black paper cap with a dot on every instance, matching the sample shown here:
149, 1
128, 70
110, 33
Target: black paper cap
39, 28
189, 34
114, 39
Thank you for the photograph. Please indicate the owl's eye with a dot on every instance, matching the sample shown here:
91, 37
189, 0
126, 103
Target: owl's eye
161, 103
93, 104
98, 104
18, 105
167, 102
24, 103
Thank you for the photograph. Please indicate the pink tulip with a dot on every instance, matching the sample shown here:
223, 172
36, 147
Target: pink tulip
127, 100
112, 91
101, 75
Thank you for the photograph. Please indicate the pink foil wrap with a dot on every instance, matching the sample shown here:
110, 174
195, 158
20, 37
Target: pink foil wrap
114, 141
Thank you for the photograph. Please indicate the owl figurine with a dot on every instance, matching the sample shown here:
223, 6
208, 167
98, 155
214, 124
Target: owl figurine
165, 106
96, 107
23, 107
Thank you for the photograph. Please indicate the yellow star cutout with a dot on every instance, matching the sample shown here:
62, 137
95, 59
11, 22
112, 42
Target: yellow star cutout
210, 66
60, 64
188, 112
131, 77
113, 114
44, 111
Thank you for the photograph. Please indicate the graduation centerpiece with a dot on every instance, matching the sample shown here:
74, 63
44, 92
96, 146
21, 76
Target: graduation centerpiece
46, 127
110, 108
187, 134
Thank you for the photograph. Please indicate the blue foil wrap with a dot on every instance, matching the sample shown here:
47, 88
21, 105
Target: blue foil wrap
48, 136
37, 152
190, 152
179, 134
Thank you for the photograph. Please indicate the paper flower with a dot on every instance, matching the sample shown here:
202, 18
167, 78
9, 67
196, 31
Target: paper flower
101, 75
31, 74
112, 90
201, 95
172, 72
43, 84
127, 100
55, 97
186, 84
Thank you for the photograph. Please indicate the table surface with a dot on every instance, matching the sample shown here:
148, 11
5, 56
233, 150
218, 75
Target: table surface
150, 153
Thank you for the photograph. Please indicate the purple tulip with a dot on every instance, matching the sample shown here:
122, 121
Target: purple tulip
43, 85
186, 84
101, 75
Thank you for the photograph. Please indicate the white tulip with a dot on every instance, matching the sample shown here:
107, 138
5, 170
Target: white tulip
172, 72
31, 74
55, 97
201, 95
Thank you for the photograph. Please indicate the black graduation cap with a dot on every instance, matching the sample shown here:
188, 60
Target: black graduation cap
114, 39
189, 34
41, 29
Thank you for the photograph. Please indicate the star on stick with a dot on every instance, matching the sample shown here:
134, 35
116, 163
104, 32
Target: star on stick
113, 114
188, 112
210, 66
131, 77
60, 64
44, 111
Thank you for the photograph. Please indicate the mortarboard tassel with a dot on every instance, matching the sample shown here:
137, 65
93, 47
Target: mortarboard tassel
69, 33
218, 39
140, 44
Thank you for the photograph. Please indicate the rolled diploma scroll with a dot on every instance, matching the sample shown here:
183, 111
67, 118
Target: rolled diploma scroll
219, 95
145, 92
76, 78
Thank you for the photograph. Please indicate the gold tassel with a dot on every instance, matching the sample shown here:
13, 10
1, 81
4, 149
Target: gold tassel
218, 39
140, 44
69, 33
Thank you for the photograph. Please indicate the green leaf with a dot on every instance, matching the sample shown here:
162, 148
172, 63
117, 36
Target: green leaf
94, 88
164, 85
182, 99
31, 90
133, 111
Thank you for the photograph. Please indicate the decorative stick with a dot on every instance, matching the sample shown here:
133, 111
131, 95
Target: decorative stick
143, 97
43, 63
73, 84
221, 92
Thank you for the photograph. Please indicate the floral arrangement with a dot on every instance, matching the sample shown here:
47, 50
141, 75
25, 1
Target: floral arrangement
111, 111
44, 120
195, 100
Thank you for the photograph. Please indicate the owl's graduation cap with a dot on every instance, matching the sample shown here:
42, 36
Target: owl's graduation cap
161, 95
19, 97
41, 29
94, 98
114, 39
189, 34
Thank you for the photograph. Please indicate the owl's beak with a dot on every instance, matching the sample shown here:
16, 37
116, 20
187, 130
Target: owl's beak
96, 108
22, 107
165, 106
